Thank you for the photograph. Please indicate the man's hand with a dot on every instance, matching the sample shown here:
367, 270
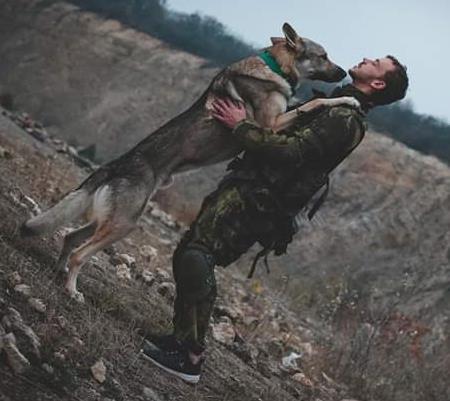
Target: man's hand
228, 112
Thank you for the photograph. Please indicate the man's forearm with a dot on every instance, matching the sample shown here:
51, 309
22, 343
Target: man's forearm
265, 141
333, 130
285, 120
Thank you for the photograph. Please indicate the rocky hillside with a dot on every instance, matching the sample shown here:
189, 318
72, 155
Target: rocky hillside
52, 348
96, 82
93, 81
373, 265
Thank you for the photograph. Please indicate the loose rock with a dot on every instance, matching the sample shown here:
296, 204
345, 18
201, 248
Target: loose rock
162, 275
167, 290
62, 321
18, 362
60, 355
148, 253
289, 363
302, 379
233, 313
37, 305
224, 333
49, 369
148, 277
123, 258
123, 272
163, 216
98, 370
13, 320
23, 289
150, 395
5, 154
14, 279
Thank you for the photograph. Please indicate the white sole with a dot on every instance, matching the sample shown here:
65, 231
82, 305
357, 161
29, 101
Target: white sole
192, 379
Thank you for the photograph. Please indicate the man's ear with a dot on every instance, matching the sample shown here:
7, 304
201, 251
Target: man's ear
378, 84
292, 39
276, 40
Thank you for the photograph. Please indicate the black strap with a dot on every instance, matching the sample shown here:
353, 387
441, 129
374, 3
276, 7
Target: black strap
263, 253
319, 202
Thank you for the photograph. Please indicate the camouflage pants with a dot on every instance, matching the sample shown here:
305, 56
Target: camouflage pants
229, 223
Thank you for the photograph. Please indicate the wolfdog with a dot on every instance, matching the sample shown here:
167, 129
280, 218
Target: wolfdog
116, 193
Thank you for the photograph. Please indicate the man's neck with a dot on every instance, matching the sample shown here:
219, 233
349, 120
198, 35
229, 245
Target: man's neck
356, 92
363, 87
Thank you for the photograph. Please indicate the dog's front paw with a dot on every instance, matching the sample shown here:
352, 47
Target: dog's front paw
350, 101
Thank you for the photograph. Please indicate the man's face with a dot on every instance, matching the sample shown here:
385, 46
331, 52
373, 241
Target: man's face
371, 72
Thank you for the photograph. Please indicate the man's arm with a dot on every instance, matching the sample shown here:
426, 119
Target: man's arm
333, 130
285, 120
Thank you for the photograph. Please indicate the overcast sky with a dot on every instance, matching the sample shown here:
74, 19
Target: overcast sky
417, 32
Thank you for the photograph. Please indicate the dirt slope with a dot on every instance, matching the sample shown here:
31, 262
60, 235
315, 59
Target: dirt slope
125, 300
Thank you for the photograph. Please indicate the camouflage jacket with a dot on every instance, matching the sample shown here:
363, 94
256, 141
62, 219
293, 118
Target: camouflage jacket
274, 179
291, 166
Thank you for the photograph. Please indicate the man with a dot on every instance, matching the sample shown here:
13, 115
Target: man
259, 199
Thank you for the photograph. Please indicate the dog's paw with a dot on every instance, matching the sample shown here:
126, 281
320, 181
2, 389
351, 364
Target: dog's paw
350, 101
76, 296
61, 268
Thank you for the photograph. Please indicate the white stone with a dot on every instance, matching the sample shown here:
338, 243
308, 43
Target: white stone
18, 362
37, 305
23, 289
4, 154
301, 378
162, 275
48, 368
148, 252
122, 258
150, 395
123, 272
98, 370
15, 278
130, 261
148, 277
163, 217
224, 333
290, 362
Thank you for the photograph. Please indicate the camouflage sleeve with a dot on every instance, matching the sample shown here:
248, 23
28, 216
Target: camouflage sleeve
333, 131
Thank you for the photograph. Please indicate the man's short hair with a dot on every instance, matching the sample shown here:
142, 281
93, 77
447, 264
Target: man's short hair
396, 85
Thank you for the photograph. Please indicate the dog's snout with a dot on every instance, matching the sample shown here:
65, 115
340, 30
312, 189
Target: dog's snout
340, 73
337, 75
333, 74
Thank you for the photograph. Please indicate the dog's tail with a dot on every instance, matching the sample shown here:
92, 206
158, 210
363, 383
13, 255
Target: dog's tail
71, 207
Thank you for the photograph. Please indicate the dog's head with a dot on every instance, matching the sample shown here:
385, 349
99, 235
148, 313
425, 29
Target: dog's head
308, 59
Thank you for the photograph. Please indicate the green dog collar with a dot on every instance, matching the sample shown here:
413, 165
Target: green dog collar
274, 66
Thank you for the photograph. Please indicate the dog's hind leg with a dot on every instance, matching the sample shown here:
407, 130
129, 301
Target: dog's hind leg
116, 208
71, 241
105, 235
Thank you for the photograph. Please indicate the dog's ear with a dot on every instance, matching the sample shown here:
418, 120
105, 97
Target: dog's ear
276, 40
292, 39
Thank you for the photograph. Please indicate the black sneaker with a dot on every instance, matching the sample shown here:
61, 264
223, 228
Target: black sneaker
175, 361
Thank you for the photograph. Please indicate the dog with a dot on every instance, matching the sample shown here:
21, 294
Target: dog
117, 193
